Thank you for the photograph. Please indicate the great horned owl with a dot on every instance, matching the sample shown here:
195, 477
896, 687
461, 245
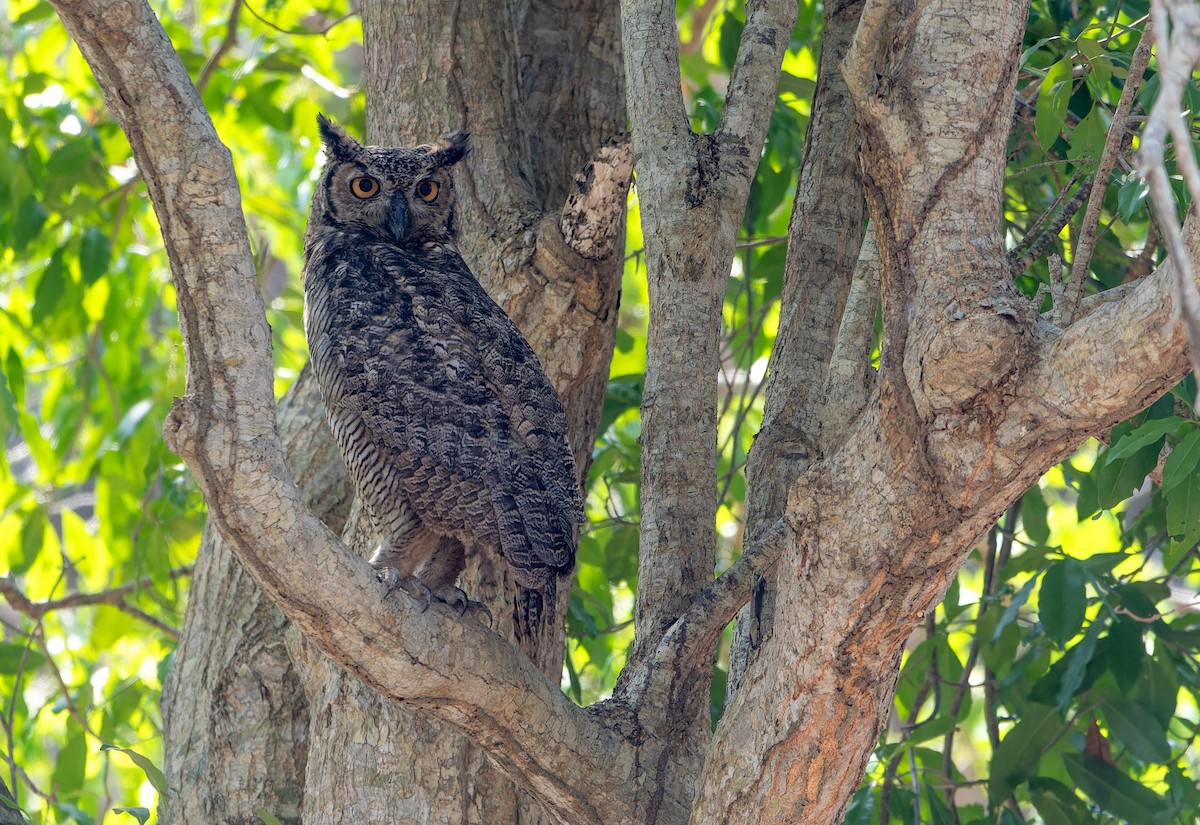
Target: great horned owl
450, 431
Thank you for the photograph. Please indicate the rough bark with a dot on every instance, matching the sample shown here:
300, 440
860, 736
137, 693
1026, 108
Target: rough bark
561, 289
823, 242
976, 397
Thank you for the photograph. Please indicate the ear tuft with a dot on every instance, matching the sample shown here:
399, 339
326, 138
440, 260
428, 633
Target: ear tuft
453, 149
337, 143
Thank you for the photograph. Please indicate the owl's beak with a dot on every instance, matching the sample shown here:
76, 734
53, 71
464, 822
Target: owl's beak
398, 220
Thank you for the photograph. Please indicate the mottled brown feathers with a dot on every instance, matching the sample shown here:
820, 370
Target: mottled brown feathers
447, 424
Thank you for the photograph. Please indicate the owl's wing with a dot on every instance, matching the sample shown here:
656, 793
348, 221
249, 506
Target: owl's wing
476, 428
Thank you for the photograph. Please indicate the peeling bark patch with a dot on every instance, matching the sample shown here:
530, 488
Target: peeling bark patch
704, 173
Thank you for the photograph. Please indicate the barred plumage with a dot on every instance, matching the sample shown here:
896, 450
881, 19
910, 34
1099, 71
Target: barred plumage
450, 430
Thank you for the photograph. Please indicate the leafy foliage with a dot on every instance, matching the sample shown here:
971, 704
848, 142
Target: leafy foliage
1056, 683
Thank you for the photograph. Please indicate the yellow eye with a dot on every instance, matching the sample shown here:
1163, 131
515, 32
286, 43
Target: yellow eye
427, 190
364, 187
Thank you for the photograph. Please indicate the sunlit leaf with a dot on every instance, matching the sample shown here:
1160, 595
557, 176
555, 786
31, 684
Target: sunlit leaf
1152, 432
1180, 466
51, 287
1053, 95
152, 771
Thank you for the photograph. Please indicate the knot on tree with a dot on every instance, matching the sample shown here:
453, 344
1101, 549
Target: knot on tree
971, 345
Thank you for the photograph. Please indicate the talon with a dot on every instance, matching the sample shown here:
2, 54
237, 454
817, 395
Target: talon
454, 597
460, 601
424, 588
408, 586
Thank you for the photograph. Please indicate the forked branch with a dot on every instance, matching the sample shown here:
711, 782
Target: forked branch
225, 430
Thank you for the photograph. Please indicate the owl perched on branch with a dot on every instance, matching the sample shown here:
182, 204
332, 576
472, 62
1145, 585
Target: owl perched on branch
451, 433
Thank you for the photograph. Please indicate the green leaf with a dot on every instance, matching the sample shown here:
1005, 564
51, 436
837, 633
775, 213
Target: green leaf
1120, 478
1078, 660
94, 255
801, 87
33, 538
1088, 136
31, 217
1136, 728
70, 768
1158, 690
1131, 195
1014, 607
9, 417
861, 810
1180, 465
624, 392
1183, 509
1053, 97
716, 696
1062, 600
1017, 757
939, 811
14, 658
130, 421
1125, 651
40, 11
50, 287
142, 815
1112, 790
15, 370
731, 38
268, 819
149, 768
1057, 804
1033, 515
1152, 432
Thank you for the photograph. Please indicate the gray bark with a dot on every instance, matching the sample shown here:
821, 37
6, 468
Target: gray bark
561, 288
880, 495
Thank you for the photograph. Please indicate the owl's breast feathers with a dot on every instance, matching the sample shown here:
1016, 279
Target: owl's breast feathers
415, 361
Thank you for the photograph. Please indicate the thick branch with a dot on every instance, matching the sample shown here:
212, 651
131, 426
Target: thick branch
692, 637
1144, 354
1178, 55
750, 98
225, 430
655, 98
824, 236
850, 372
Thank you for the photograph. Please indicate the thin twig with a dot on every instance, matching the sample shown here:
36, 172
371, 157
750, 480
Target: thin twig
227, 43
1081, 260
1019, 261
299, 32
114, 597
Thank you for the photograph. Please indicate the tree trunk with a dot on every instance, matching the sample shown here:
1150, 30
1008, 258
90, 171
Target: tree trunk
350, 755
867, 488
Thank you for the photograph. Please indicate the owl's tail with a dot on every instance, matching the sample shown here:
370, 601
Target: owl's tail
533, 618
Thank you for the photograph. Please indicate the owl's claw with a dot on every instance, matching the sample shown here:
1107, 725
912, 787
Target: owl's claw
408, 585
456, 598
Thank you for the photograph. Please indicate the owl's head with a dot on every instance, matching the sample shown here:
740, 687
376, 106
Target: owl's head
403, 195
